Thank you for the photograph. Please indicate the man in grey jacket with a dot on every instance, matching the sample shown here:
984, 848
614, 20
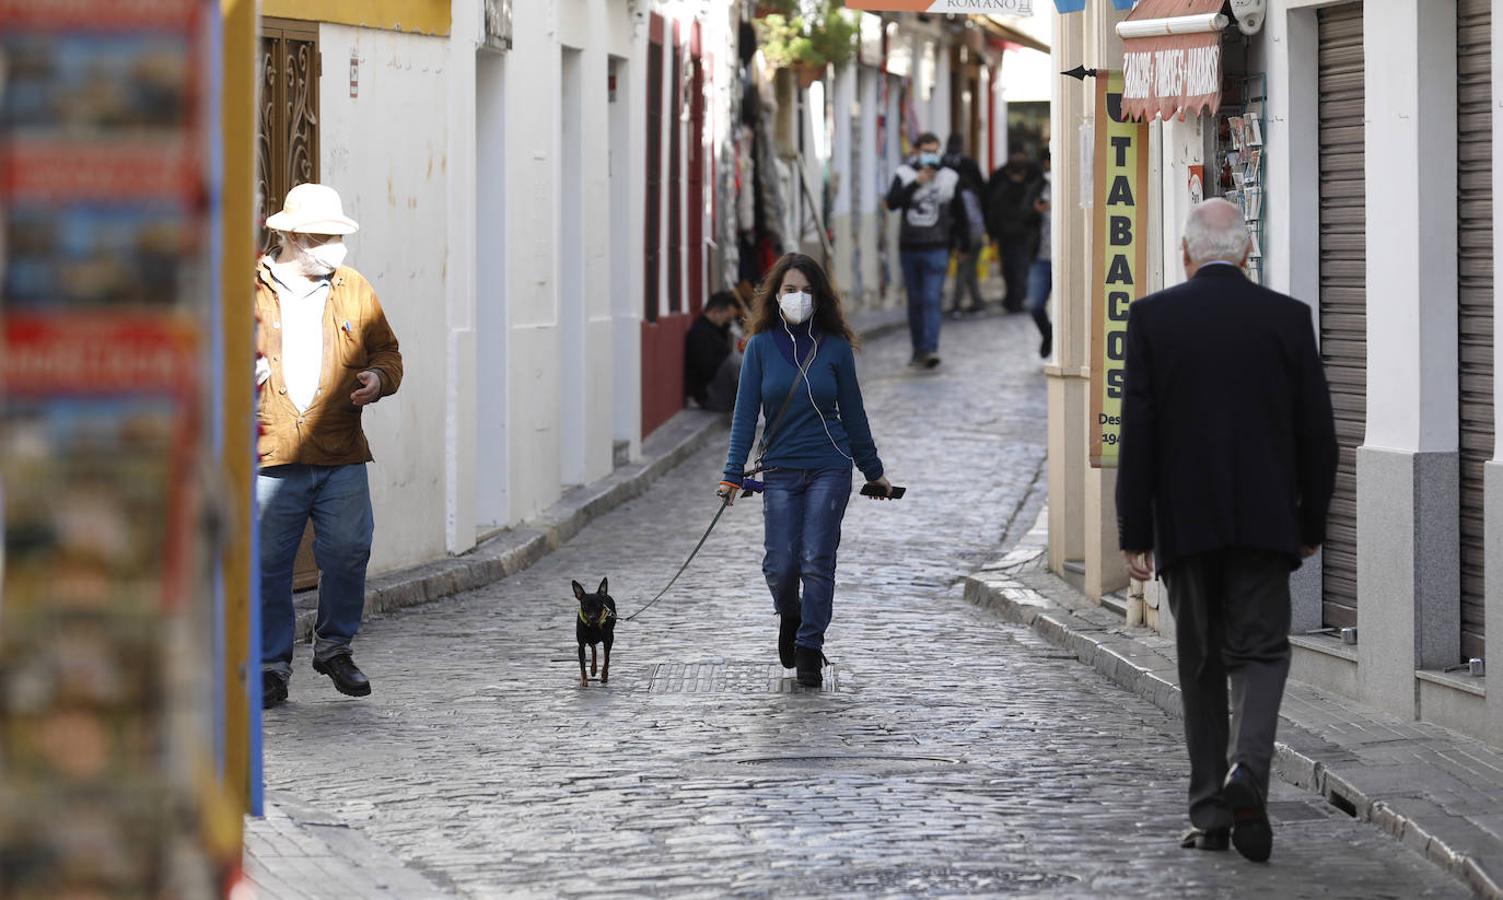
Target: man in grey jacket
926, 193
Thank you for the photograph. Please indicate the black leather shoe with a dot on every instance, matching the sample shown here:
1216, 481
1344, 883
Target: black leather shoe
1251, 833
787, 634
809, 663
347, 677
273, 690
1215, 839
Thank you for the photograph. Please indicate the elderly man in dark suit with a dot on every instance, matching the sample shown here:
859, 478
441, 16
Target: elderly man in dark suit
1228, 460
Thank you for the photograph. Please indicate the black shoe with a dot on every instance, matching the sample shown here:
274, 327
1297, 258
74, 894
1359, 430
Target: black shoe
273, 690
1251, 833
809, 663
1046, 346
1215, 839
787, 633
347, 677
931, 361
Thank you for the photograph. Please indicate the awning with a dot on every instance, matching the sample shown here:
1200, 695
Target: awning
957, 7
1171, 63
998, 27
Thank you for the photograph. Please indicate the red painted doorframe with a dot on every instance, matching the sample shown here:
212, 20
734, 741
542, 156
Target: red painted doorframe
696, 173
663, 334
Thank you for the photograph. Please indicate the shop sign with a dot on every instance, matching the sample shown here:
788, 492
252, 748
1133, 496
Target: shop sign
1119, 261
1170, 81
1171, 58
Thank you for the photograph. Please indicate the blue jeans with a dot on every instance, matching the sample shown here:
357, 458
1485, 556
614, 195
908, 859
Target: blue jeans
801, 513
924, 274
1040, 285
338, 499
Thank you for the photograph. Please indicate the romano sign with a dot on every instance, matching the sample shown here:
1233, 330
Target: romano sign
1119, 257
1171, 58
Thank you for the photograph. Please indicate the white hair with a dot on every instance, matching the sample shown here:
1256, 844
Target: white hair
1215, 231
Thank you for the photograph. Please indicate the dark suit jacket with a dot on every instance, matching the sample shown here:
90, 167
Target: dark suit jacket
1227, 436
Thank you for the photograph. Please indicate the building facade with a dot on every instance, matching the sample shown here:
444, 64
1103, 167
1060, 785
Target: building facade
548, 192
1368, 185
496, 156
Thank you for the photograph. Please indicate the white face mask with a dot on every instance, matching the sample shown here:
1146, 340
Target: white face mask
797, 307
320, 260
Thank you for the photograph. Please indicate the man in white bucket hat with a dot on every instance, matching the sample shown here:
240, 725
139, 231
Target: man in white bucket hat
325, 352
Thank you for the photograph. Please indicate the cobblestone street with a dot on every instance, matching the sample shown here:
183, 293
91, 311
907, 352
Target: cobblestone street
950, 753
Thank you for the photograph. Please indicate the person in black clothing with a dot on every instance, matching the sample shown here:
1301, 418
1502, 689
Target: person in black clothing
926, 191
1014, 223
972, 188
712, 365
1226, 468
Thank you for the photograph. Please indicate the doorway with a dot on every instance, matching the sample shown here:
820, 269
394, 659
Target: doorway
492, 506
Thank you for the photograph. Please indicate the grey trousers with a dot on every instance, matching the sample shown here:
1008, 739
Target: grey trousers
967, 281
1231, 611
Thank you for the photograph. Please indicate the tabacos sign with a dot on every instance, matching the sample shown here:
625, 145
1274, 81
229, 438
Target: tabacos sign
1119, 258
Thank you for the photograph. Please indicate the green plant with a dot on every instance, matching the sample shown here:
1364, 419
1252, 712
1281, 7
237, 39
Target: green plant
821, 33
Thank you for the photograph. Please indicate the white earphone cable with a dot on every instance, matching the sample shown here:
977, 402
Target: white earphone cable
809, 389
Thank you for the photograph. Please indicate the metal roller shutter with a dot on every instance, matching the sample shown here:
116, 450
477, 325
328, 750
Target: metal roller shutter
1343, 296
1474, 148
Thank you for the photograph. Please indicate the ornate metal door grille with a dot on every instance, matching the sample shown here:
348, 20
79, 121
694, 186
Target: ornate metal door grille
287, 146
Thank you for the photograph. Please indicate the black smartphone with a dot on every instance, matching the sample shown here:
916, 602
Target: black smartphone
896, 492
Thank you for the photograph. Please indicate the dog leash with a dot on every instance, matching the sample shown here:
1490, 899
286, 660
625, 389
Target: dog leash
724, 504
745, 480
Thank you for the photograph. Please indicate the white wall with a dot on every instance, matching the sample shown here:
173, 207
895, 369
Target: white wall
392, 181
450, 159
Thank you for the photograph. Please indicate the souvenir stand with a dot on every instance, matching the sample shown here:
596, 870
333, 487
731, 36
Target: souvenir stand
108, 783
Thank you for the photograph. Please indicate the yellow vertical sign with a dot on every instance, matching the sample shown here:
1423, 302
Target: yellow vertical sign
1119, 258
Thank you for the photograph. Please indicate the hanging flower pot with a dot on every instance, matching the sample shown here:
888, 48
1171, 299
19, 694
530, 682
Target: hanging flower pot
776, 8
807, 44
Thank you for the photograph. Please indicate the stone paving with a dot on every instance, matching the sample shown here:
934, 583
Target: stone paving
951, 753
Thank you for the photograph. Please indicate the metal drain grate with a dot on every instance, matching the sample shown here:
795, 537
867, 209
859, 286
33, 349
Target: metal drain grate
732, 677
976, 880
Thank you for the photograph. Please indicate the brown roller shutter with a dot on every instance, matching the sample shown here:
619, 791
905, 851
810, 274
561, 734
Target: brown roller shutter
1474, 152
1343, 296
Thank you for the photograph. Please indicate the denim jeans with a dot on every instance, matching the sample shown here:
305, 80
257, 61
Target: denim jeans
801, 513
338, 499
1040, 285
924, 274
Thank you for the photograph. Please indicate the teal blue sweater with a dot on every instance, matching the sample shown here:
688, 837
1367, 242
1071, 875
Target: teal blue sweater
800, 441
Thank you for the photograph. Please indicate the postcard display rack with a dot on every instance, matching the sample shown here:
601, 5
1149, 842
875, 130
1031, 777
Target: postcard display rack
1241, 159
106, 741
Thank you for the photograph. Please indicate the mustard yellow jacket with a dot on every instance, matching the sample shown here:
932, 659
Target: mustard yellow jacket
357, 339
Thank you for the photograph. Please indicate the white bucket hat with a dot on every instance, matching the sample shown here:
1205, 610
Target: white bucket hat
313, 209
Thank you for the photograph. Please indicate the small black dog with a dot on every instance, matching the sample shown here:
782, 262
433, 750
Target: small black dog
596, 625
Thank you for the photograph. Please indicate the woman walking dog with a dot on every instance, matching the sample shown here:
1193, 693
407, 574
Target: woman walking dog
799, 372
